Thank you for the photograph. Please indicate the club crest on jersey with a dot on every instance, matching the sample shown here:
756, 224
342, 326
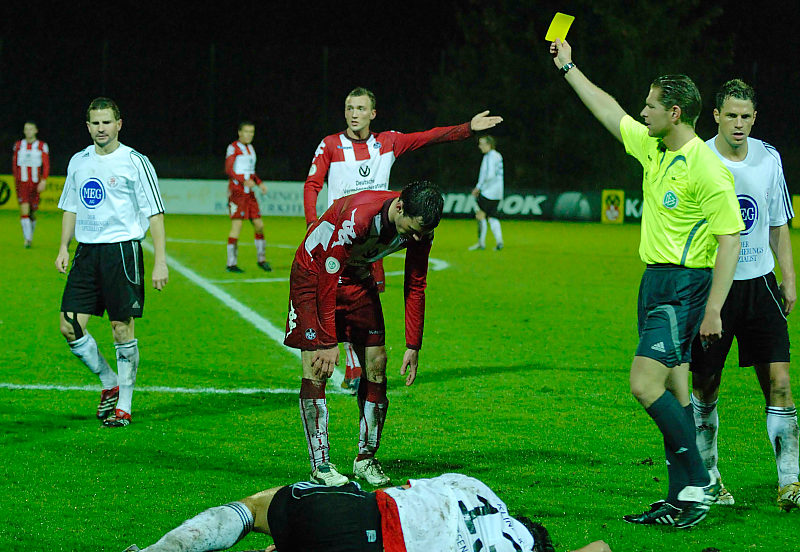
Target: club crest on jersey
311, 334
670, 200
332, 265
347, 231
749, 210
92, 193
363, 170
376, 145
313, 170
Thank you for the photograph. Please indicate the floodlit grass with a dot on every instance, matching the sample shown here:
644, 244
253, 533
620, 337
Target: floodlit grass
523, 383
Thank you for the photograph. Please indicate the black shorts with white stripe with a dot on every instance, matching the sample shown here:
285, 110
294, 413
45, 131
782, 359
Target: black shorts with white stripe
753, 314
106, 277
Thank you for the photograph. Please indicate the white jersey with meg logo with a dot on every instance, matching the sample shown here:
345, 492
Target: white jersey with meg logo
457, 513
764, 201
113, 196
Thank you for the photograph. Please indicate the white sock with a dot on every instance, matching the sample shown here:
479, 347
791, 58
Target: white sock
86, 349
783, 434
261, 250
373, 417
233, 253
217, 528
494, 224
27, 228
482, 232
127, 365
706, 422
314, 415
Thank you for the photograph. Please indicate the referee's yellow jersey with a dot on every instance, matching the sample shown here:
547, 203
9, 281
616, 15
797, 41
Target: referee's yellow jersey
688, 198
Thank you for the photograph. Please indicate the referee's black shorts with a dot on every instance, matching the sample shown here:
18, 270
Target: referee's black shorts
753, 313
306, 516
106, 277
488, 206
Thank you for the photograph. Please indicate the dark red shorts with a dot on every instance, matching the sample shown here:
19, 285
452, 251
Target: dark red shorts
359, 316
27, 192
242, 205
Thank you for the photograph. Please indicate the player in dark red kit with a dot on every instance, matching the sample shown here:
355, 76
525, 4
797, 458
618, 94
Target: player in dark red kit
333, 297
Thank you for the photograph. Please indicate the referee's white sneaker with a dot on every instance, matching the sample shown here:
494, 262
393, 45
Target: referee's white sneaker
370, 470
326, 474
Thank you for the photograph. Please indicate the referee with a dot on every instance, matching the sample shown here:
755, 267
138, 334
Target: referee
110, 199
690, 225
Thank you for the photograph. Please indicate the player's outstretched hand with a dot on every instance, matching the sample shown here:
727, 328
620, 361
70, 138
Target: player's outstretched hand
482, 121
62, 261
410, 363
323, 361
561, 51
160, 276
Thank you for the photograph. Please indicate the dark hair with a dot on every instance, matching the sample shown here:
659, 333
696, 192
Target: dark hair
541, 538
489, 140
423, 199
681, 91
735, 88
246, 123
30, 122
361, 91
104, 103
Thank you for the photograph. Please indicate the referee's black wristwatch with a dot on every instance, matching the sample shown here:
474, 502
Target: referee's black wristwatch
567, 66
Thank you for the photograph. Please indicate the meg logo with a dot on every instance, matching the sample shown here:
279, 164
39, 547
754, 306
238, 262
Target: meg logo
749, 209
92, 193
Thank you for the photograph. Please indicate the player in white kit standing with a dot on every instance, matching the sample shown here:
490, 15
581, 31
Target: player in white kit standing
110, 199
756, 308
358, 159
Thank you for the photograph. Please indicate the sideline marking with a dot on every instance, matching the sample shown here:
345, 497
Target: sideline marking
259, 322
152, 389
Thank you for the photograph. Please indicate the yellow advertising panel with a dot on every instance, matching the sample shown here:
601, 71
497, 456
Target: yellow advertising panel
795, 207
48, 200
613, 207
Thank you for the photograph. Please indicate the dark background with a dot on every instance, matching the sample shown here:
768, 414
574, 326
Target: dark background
184, 78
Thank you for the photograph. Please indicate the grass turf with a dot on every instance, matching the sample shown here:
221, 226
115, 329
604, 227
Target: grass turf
523, 384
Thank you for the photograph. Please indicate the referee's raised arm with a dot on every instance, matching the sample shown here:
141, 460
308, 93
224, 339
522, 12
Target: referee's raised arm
602, 105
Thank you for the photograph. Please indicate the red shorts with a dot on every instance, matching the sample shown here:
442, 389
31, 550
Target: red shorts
359, 317
27, 192
242, 205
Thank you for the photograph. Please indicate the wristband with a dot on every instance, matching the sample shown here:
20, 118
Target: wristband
567, 66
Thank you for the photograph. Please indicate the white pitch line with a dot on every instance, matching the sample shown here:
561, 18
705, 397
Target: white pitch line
152, 389
220, 242
261, 324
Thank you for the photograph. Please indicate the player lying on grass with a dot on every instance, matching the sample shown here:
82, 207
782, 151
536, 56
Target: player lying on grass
445, 513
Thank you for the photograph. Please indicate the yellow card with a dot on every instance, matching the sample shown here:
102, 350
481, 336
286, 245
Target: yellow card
559, 27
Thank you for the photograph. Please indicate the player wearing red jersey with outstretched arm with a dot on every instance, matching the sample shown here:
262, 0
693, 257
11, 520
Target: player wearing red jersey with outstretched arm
31, 168
333, 298
240, 166
357, 159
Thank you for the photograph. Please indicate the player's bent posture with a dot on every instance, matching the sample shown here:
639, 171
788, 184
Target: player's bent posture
451, 512
756, 308
689, 208
358, 159
110, 199
489, 193
31, 168
333, 297
240, 166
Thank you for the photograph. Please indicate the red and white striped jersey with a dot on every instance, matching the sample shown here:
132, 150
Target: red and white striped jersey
356, 165
341, 245
240, 163
31, 161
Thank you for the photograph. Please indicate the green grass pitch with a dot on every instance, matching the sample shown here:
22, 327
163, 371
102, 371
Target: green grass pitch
523, 383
